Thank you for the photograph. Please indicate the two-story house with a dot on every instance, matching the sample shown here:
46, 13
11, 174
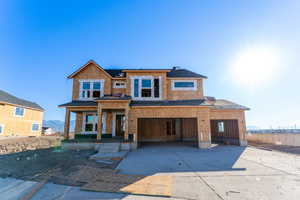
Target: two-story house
151, 105
19, 117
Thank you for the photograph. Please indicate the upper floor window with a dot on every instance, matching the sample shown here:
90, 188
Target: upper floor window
35, 127
90, 89
146, 87
184, 84
19, 112
119, 84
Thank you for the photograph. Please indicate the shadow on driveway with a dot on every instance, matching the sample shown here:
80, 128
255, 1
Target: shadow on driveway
169, 158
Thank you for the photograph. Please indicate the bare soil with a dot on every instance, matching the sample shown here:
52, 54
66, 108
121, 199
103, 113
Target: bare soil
52, 165
281, 148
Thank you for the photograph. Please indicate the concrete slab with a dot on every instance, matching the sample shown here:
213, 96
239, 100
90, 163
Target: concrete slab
53, 191
256, 187
222, 172
11, 189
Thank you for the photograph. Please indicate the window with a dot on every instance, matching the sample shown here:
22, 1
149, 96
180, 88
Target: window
90, 89
156, 88
90, 122
184, 84
146, 87
1, 129
119, 84
136, 87
19, 112
220, 126
35, 127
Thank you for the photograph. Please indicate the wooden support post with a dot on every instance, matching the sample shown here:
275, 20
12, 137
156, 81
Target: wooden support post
99, 133
126, 124
67, 124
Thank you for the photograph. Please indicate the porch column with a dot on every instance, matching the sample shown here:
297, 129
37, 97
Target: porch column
99, 133
126, 123
67, 124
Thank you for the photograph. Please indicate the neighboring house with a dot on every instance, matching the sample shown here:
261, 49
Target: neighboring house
147, 105
47, 131
19, 117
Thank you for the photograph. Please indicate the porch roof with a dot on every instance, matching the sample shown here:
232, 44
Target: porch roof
191, 102
79, 103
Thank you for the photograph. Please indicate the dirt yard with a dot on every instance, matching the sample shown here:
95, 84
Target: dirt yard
281, 148
53, 165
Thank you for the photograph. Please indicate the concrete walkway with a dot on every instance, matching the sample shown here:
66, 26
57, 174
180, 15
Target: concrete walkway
13, 189
222, 172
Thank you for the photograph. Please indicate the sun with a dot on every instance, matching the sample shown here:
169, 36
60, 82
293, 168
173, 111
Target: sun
255, 66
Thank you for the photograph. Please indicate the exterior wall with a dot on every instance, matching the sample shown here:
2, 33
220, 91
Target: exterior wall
232, 114
118, 90
155, 74
182, 94
202, 115
91, 72
14, 125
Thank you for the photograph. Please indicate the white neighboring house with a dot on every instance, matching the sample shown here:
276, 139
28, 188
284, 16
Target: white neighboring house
48, 131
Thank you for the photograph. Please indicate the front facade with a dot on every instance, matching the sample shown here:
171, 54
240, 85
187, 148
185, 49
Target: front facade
151, 105
19, 117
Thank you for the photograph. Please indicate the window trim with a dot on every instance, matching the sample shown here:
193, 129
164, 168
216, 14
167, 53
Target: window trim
184, 88
140, 78
92, 81
2, 128
16, 111
83, 131
120, 86
36, 123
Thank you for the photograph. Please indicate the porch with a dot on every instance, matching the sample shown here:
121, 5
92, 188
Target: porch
100, 123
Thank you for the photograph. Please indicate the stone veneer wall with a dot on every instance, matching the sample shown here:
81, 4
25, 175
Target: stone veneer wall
19, 144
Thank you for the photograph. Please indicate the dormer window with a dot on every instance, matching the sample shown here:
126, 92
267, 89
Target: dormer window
146, 87
91, 89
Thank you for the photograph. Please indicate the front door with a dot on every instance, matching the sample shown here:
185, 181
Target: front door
170, 129
120, 125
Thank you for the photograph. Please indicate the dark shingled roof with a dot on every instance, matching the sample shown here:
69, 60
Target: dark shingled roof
116, 72
8, 98
79, 103
192, 102
109, 97
183, 73
222, 104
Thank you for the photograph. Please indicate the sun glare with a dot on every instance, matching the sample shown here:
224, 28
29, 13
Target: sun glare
256, 66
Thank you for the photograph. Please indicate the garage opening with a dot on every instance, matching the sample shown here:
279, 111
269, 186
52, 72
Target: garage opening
167, 129
225, 131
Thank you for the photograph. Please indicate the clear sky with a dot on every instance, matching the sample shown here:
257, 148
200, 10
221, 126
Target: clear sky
248, 49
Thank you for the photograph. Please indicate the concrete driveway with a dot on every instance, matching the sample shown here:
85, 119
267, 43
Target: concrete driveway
222, 172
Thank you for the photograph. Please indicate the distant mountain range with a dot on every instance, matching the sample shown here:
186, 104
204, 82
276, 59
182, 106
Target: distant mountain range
58, 125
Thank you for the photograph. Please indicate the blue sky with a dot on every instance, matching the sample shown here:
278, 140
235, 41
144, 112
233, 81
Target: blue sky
41, 42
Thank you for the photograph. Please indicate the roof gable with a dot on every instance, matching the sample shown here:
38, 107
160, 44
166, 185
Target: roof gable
87, 65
